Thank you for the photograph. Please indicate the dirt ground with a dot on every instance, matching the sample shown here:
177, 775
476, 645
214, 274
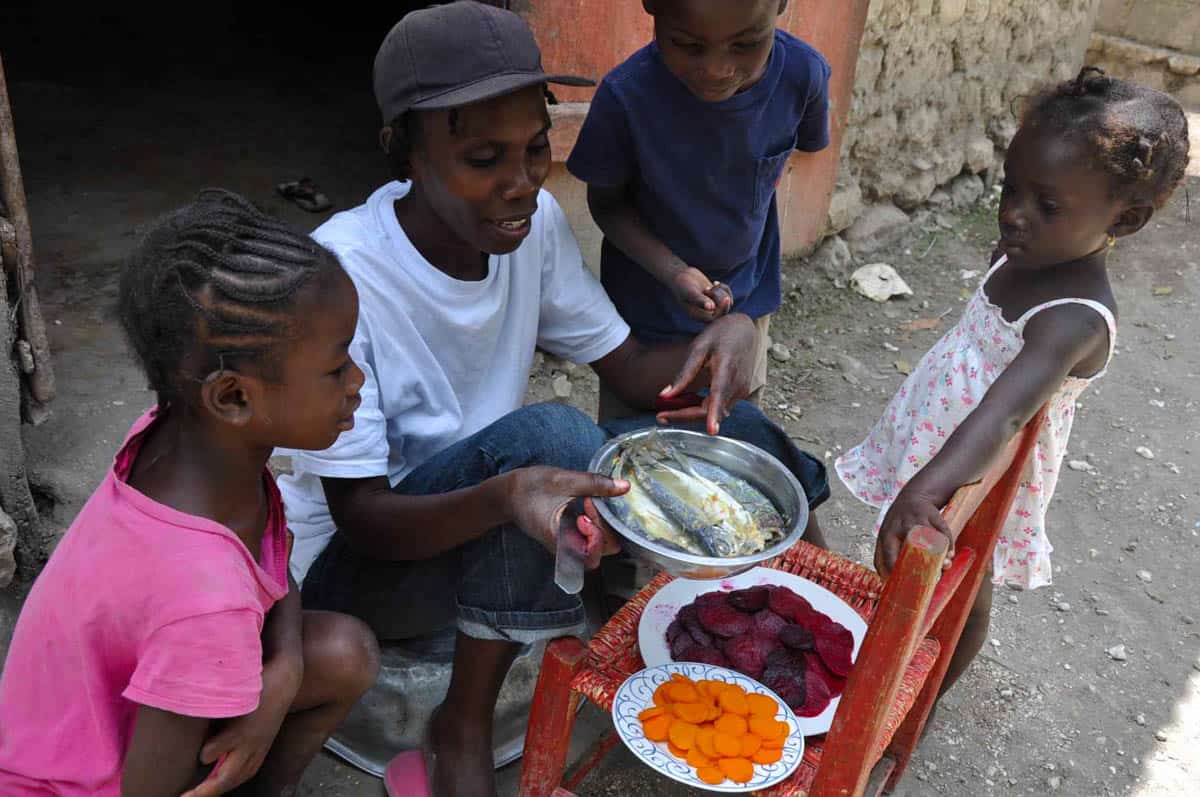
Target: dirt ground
1047, 709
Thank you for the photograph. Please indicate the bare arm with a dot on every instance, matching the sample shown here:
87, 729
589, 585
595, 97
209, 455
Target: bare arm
386, 525
1058, 343
720, 357
163, 759
622, 224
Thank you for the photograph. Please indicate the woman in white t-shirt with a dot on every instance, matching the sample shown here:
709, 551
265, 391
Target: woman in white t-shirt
441, 506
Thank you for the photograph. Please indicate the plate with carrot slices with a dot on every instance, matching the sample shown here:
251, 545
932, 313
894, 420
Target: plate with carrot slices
708, 727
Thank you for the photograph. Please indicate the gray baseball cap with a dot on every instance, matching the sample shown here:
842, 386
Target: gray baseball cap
456, 54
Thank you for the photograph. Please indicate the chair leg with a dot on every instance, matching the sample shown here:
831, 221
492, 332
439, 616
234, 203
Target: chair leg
551, 718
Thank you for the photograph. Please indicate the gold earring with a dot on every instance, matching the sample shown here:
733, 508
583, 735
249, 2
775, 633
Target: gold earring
1112, 240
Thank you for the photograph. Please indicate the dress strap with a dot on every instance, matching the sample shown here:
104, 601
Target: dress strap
1099, 307
995, 267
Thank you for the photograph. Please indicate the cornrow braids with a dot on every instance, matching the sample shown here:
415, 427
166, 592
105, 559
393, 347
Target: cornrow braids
1138, 135
211, 285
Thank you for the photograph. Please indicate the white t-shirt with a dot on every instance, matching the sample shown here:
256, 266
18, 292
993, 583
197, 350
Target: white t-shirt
442, 358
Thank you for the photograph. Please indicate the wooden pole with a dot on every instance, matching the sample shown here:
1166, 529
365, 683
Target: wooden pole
31, 327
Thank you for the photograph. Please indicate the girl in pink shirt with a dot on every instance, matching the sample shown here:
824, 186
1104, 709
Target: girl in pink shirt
163, 649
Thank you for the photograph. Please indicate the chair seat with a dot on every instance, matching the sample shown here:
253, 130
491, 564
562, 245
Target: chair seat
613, 653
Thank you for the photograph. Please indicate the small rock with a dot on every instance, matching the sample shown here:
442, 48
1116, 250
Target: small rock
995, 643
1117, 653
1140, 719
1013, 599
1158, 403
1160, 735
832, 258
1102, 612
1061, 606
903, 366
889, 347
877, 227
779, 352
1145, 576
1168, 336
562, 387
879, 282
1054, 782
1093, 553
965, 191
1187, 619
967, 275
1143, 452
1080, 465
1006, 694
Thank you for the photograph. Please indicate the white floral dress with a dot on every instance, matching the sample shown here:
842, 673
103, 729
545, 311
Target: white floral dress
946, 385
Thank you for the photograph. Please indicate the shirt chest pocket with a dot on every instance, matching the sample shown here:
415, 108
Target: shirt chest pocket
766, 176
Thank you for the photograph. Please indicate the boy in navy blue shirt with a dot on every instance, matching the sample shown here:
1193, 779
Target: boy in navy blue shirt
681, 151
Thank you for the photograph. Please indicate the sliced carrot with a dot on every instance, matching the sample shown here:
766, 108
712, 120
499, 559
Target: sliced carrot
681, 678
660, 694
774, 744
680, 692
739, 770
727, 745
651, 713
762, 706
657, 728
675, 751
713, 713
735, 702
704, 740
682, 734
696, 758
782, 730
695, 713
711, 775
750, 745
765, 728
731, 724
767, 755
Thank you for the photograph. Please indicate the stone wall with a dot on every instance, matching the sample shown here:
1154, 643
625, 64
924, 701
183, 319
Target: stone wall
937, 85
1154, 42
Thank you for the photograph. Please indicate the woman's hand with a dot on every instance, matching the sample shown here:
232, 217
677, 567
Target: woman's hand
542, 499
726, 348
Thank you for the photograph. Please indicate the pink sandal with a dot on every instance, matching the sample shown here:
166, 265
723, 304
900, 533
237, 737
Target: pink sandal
405, 775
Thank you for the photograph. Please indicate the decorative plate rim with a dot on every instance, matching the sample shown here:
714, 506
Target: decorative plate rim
636, 694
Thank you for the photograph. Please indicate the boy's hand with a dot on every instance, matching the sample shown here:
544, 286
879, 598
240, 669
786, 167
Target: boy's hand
908, 511
699, 295
242, 744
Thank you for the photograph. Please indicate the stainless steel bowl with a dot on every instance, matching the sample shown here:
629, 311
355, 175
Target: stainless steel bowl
740, 459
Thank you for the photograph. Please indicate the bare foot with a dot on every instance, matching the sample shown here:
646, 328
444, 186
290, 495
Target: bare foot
463, 765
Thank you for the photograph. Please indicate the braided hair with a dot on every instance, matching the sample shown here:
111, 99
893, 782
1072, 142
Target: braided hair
211, 285
1139, 136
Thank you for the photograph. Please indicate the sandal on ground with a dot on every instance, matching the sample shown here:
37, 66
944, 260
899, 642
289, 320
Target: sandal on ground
406, 775
305, 194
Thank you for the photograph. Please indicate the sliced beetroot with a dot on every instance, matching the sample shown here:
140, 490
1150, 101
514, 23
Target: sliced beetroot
749, 600
835, 645
788, 604
767, 623
701, 655
690, 617
714, 598
797, 637
674, 630
816, 696
817, 669
723, 620
748, 653
782, 661
789, 688
680, 644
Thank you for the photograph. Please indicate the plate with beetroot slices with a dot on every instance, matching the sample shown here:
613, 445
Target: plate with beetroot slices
796, 638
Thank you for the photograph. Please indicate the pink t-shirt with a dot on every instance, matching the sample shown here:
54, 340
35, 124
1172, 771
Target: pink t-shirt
140, 604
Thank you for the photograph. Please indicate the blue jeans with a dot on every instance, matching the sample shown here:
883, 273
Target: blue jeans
501, 585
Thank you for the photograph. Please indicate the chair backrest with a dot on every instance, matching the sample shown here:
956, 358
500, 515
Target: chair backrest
919, 600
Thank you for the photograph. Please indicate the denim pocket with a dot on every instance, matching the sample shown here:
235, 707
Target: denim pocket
766, 176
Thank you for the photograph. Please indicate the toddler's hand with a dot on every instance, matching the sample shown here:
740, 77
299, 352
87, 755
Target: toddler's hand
908, 511
694, 291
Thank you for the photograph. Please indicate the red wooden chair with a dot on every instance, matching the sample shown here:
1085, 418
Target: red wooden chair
914, 622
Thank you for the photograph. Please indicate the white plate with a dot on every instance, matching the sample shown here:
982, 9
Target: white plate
666, 603
637, 694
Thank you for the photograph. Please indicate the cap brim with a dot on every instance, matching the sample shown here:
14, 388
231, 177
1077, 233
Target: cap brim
495, 86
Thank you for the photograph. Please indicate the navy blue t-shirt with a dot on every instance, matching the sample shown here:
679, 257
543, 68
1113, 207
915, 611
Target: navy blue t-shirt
703, 175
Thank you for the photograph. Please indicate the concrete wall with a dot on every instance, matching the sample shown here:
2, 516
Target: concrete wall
937, 85
1154, 42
